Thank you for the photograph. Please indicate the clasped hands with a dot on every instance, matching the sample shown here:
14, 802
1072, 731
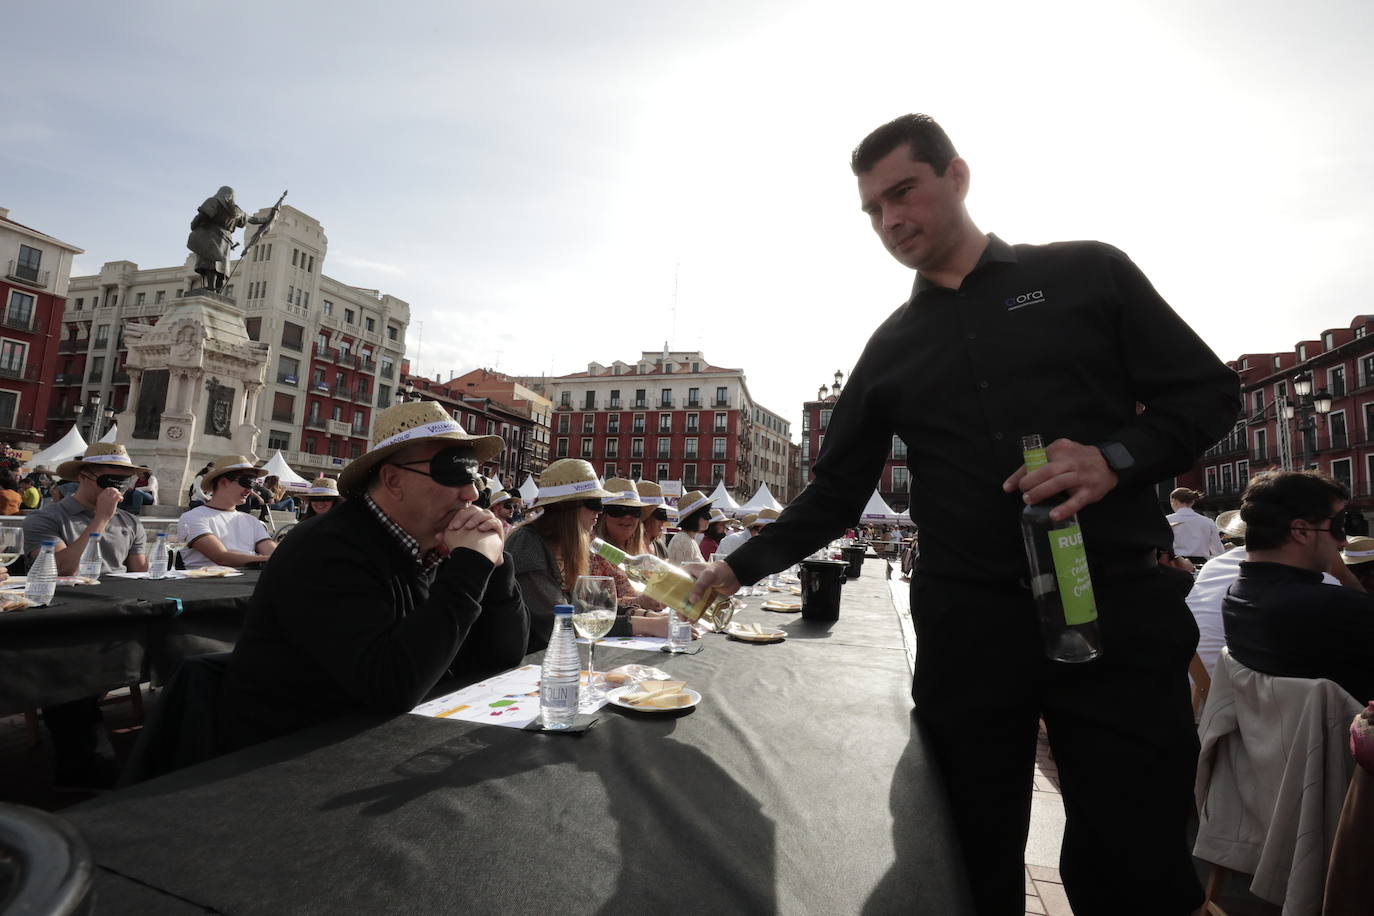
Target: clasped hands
479, 530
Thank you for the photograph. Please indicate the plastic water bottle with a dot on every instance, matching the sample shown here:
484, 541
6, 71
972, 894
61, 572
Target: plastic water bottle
42, 579
157, 563
679, 632
91, 565
558, 679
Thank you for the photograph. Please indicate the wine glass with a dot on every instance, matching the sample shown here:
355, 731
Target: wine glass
593, 617
11, 544
175, 543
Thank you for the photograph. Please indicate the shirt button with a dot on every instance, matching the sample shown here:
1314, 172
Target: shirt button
983, 383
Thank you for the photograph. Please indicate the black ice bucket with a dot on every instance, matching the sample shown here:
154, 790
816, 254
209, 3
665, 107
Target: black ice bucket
820, 588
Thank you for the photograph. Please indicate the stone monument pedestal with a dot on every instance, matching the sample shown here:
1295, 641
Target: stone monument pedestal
195, 378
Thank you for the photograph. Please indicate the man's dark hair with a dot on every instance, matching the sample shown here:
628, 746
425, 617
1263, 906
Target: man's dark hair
927, 140
1274, 500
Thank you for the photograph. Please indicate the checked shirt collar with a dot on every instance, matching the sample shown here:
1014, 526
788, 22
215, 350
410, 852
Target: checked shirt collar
426, 561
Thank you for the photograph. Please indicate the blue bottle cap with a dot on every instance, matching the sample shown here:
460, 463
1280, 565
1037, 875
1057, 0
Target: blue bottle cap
562, 609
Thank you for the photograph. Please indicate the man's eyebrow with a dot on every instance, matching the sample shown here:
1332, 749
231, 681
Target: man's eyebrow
868, 206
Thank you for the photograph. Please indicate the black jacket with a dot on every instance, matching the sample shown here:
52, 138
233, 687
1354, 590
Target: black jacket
342, 620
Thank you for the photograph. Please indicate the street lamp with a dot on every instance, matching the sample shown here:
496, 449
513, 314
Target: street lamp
1307, 409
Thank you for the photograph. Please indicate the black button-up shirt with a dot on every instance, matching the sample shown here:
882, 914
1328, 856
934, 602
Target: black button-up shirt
1061, 340
1285, 621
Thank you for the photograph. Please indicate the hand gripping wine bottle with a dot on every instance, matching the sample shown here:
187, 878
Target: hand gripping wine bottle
1060, 581
669, 585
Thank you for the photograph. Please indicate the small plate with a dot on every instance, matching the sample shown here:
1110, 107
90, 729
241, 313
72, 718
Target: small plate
14, 583
614, 697
16, 603
212, 572
782, 607
768, 634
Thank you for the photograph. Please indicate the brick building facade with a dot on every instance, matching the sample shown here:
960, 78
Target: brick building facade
895, 481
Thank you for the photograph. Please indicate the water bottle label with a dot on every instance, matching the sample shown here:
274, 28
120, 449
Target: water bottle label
1071, 570
558, 696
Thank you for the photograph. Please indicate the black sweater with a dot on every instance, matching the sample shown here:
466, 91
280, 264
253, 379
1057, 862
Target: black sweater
342, 620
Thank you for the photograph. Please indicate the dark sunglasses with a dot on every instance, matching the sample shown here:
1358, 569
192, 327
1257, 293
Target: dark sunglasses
120, 483
1336, 526
244, 481
619, 511
661, 514
592, 504
450, 467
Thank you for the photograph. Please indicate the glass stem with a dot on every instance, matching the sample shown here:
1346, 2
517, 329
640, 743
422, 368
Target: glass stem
591, 664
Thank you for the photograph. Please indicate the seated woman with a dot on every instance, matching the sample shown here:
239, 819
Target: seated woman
621, 527
216, 534
694, 509
654, 517
716, 529
279, 500
321, 497
549, 552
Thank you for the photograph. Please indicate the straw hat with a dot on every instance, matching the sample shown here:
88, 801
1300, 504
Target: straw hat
651, 495
498, 496
568, 478
106, 457
766, 517
1231, 524
324, 488
406, 424
226, 464
750, 520
1358, 550
690, 502
625, 493
716, 516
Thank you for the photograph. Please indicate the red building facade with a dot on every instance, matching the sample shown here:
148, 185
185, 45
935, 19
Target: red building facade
894, 484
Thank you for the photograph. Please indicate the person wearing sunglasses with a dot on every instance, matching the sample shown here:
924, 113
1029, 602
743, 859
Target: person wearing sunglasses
654, 516
552, 550
216, 534
404, 583
621, 525
321, 497
1278, 616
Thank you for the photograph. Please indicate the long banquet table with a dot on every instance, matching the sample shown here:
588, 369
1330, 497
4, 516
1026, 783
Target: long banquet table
122, 631
800, 784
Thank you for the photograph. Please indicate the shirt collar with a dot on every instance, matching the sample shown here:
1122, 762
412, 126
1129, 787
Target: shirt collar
995, 251
426, 561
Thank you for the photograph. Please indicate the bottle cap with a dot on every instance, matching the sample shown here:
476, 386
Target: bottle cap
562, 609
49, 542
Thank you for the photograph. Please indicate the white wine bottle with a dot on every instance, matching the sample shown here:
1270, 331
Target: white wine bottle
668, 585
1060, 581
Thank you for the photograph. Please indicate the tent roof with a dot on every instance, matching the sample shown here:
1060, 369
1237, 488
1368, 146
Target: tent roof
878, 510
112, 435
69, 446
721, 498
529, 489
762, 499
276, 465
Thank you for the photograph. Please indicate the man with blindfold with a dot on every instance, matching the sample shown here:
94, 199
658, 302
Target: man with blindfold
404, 583
215, 533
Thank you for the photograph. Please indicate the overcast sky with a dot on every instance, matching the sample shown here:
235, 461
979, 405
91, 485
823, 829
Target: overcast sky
531, 176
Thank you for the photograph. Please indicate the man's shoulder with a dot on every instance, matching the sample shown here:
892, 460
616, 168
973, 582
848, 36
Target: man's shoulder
46, 518
1028, 253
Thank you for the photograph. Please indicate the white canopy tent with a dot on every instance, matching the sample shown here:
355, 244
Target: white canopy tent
722, 500
879, 511
529, 489
276, 466
762, 499
69, 446
111, 436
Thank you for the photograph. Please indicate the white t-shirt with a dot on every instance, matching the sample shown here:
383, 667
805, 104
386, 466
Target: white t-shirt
1205, 599
1195, 535
236, 531
731, 543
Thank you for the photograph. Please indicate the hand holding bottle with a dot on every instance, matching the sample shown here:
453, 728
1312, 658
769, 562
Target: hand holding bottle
1076, 469
714, 575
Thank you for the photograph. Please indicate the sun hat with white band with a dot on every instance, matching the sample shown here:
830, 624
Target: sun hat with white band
498, 495
717, 516
101, 457
568, 479
323, 488
765, 517
226, 464
651, 495
406, 424
1358, 550
690, 502
623, 493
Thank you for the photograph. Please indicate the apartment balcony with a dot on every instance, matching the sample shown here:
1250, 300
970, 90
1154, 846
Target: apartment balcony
368, 365
97, 375
318, 387
73, 346
29, 323
351, 360
388, 371
641, 405
589, 405
285, 378
721, 402
283, 416
665, 404
338, 428
363, 395
693, 403
314, 422
325, 353
360, 430
614, 404
121, 377
29, 276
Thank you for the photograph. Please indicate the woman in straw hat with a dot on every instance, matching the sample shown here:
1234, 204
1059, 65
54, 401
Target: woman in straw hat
621, 526
654, 516
322, 496
717, 527
694, 508
551, 551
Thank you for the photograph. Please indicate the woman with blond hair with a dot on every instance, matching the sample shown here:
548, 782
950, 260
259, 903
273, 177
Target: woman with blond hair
551, 551
621, 526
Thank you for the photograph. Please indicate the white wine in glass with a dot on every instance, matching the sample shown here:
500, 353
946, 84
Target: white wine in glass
593, 617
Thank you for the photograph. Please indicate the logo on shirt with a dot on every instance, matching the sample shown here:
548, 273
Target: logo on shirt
1024, 299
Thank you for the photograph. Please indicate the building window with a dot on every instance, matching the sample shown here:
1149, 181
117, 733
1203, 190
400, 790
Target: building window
665, 422
279, 441
663, 472
290, 294
665, 447
79, 303
311, 270
722, 400
388, 367
102, 336
142, 298
12, 356
717, 473
97, 373
636, 448
565, 399
613, 423
692, 422
636, 471
29, 260
718, 448
1261, 453
392, 332
898, 448
589, 400
1210, 478
295, 253
1341, 470
19, 312
689, 475
292, 336
612, 448
665, 397
9, 405
288, 370
689, 449
825, 419
561, 451
564, 420
586, 448
370, 324
637, 423
327, 306
901, 480
1242, 474
693, 397
722, 422
1335, 381
348, 316
588, 423
1335, 422
254, 327
640, 395
284, 408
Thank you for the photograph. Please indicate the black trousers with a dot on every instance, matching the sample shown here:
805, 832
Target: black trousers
1120, 726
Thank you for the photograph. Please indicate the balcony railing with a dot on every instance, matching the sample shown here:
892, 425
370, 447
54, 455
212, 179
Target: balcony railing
636, 453
321, 388
338, 428
327, 353
721, 402
360, 429
28, 275
95, 376
641, 404
368, 365
73, 346
665, 402
314, 422
613, 404
292, 344
286, 378
121, 377
27, 322
693, 402
283, 416
388, 371
19, 372
363, 395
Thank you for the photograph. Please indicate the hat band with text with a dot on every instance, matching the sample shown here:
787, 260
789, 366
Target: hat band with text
564, 489
419, 432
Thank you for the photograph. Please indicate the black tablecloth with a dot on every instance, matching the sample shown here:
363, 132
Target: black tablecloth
799, 785
123, 631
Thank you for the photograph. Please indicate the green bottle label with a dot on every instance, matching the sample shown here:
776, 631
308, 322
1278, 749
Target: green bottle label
612, 555
1035, 458
1071, 569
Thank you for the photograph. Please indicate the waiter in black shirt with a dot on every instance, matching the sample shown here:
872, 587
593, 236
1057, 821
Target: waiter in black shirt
998, 341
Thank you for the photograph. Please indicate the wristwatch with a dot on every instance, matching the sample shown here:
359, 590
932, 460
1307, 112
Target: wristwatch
1119, 458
